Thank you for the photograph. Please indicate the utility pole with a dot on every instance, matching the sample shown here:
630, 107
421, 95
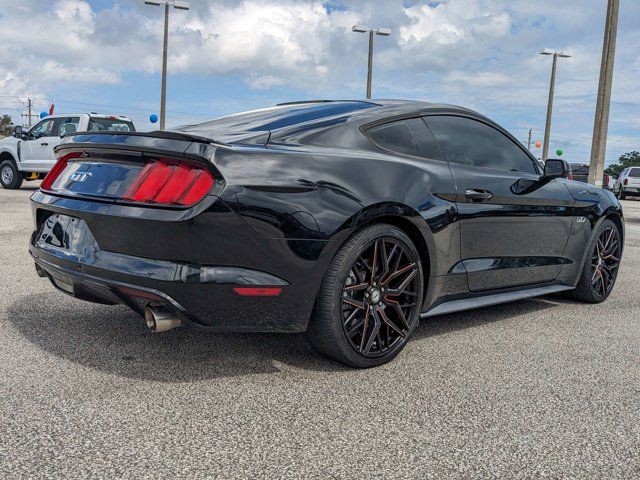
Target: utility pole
529, 140
385, 32
29, 110
547, 126
163, 94
601, 120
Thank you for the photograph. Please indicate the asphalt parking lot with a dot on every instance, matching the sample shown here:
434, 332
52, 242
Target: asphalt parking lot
543, 387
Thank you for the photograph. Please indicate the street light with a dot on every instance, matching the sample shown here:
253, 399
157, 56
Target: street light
179, 6
547, 127
385, 32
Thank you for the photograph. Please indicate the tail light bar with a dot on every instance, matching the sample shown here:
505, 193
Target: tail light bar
160, 182
170, 184
57, 169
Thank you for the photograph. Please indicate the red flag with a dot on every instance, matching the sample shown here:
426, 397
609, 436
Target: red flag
52, 107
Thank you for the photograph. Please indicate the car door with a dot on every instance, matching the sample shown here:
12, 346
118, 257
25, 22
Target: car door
513, 227
433, 194
37, 149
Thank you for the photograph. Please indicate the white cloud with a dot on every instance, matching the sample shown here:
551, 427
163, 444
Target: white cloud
477, 53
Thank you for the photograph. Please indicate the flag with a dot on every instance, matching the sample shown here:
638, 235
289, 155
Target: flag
52, 107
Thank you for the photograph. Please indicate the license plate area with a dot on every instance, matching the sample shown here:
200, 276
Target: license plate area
66, 237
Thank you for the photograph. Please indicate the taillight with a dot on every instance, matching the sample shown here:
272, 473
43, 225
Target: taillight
626, 181
57, 169
170, 184
160, 182
570, 177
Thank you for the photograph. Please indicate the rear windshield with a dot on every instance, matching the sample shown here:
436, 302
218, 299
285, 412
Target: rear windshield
110, 125
634, 172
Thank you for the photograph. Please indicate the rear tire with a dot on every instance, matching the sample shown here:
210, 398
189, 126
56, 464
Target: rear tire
10, 177
370, 298
621, 194
600, 270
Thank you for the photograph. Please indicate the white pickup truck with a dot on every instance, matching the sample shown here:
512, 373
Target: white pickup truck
28, 155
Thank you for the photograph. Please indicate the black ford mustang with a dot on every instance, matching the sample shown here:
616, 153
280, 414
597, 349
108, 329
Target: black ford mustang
345, 219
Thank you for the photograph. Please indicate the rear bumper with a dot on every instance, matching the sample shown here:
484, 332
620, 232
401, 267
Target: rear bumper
201, 293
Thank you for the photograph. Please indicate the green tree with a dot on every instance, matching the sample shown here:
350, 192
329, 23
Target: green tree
629, 159
6, 125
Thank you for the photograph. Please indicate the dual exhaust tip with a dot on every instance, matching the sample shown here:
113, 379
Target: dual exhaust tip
160, 320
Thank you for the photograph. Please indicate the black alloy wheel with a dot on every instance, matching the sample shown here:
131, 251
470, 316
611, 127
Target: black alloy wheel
369, 302
601, 267
378, 297
605, 261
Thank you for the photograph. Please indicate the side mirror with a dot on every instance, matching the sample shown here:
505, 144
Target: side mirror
17, 131
556, 168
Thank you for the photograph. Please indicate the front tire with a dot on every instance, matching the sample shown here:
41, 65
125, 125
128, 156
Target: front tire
369, 300
601, 268
10, 177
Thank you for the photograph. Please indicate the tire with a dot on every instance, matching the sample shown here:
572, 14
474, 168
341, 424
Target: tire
621, 194
603, 254
10, 177
351, 305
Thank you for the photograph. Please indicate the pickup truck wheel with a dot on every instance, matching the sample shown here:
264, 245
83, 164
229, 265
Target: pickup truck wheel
10, 177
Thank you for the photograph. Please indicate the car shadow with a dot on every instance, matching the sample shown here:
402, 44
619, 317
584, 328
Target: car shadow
115, 340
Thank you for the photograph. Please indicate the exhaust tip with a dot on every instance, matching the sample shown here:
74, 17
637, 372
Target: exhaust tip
160, 320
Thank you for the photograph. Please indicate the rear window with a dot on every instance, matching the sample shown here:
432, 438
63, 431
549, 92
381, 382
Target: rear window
409, 136
110, 125
634, 172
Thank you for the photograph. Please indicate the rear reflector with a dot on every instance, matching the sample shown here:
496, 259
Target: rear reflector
257, 292
134, 292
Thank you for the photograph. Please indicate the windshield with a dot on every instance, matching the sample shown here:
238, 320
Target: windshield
110, 125
634, 172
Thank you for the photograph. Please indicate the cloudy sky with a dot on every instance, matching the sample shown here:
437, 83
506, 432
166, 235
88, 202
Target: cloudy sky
227, 56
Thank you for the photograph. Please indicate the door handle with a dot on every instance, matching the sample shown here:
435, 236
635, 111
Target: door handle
477, 195
44, 144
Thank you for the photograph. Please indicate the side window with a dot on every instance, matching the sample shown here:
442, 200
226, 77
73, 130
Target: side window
471, 142
46, 128
69, 125
409, 136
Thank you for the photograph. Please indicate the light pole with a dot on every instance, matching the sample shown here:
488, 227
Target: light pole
167, 4
547, 127
601, 120
385, 32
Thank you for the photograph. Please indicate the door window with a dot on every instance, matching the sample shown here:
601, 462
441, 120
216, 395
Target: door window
46, 128
471, 142
69, 125
409, 136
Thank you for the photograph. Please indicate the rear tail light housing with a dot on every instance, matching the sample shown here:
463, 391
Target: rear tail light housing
626, 181
170, 184
57, 169
159, 182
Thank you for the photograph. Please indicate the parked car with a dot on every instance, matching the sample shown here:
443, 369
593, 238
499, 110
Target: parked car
580, 173
28, 155
628, 183
349, 220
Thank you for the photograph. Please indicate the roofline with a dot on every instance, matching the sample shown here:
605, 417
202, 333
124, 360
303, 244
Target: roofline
303, 102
